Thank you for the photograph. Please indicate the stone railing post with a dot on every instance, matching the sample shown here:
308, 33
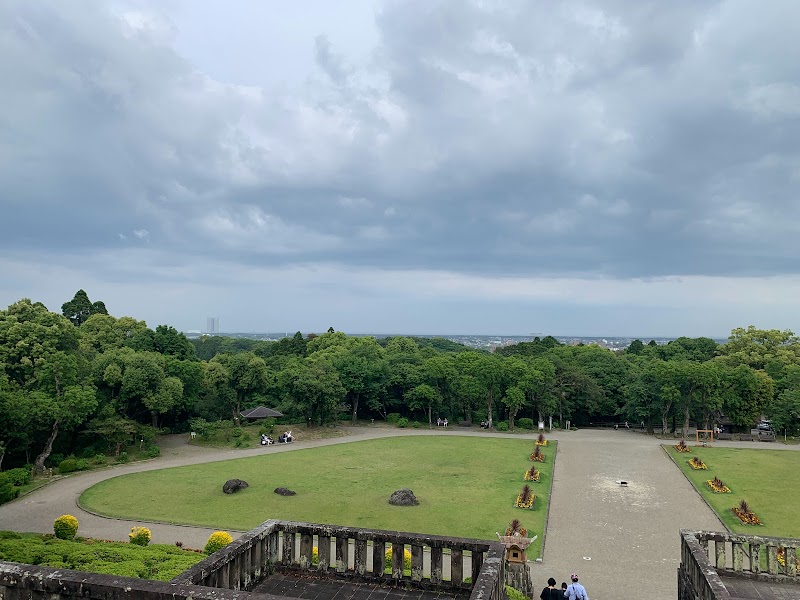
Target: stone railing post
457, 567
378, 558
342, 553
436, 564
324, 552
360, 557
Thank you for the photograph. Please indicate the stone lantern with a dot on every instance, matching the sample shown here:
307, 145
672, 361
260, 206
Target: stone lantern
518, 573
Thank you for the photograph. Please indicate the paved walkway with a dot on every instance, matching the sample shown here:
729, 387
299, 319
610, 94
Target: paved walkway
615, 538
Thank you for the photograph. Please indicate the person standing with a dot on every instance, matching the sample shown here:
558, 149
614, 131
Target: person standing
563, 589
576, 591
551, 592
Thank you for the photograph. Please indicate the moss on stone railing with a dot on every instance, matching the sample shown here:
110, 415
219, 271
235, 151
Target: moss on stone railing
354, 553
745, 556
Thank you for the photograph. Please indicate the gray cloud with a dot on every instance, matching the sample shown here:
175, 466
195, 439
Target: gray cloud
514, 139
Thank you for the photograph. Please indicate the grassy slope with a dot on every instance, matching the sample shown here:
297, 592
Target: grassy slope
466, 487
767, 479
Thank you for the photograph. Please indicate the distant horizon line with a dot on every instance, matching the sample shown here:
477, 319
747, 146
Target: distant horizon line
445, 335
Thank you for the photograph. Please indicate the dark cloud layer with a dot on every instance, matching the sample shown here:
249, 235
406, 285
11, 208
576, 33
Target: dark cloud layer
523, 139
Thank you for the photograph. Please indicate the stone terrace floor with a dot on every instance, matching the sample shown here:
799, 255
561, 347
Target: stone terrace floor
312, 588
760, 590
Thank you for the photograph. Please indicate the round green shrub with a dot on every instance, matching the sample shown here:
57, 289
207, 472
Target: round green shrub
140, 536
82, 464
501, 426
525, 423
392, 418
237, 432
217, 540
65, 527
68, 465
99, 459
402, 422
123, 457
152, 452
415, 424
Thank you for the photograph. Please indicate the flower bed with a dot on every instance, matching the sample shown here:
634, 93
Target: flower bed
540, 441
718, 486
516, 528
745, 514
525, 498
697, 464
682, 447
533, 474
537, 455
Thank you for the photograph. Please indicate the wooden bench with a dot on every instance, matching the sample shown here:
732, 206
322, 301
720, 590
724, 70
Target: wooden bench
766, 436
745, 437
724, 436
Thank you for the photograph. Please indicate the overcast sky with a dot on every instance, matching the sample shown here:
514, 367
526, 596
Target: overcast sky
571, 168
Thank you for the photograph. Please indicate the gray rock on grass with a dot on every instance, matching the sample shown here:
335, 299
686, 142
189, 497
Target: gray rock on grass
404, 497
234, 485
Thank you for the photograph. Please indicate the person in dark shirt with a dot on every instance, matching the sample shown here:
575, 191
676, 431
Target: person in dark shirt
564, 589
551, 592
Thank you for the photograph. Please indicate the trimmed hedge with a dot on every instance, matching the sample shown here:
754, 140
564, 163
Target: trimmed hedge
524, 423
161, 562
501, 426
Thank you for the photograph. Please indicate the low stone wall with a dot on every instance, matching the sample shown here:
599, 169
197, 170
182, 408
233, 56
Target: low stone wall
734, 555
28, 582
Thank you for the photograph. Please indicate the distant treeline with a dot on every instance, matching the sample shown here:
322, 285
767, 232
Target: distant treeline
82, 381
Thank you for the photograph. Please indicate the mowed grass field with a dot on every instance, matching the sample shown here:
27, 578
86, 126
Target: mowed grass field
466, 487
768, 479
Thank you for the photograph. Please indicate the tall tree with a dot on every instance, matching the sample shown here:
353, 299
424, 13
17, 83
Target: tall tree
81, 308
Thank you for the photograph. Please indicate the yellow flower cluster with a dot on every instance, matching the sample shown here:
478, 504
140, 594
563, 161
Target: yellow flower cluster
537, 456
682, 447
406, 559
718, 487
65, 527
782, 558
217, 540
532, 474
541, 443
697, 464
748, 518
520, 504
140, 536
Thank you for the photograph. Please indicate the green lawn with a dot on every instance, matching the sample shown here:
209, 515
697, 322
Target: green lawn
767, 479
466, 487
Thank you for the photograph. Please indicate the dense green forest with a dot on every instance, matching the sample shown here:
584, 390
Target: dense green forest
85, 382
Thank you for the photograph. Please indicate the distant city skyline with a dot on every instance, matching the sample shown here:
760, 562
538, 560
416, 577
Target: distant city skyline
599, 168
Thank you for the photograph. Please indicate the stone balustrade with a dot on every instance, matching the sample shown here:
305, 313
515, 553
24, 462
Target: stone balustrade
705, 555
359, 554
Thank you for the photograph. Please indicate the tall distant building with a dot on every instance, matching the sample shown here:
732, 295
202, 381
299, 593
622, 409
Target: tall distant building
212, 325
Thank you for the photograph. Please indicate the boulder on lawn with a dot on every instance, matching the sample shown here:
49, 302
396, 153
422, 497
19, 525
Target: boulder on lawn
404, 497
234, 485
284, 492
